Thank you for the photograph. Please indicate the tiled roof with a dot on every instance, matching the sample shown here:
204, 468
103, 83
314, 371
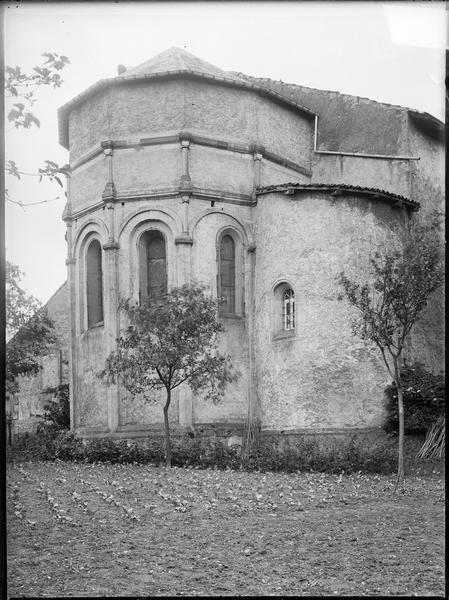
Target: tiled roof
338, 188
176, 60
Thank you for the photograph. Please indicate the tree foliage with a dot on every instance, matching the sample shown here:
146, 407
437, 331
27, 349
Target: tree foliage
171, 341
22, 86
390, 301
20, 92
29, 329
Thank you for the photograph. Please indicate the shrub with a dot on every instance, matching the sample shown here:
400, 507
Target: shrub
57, 410
351, 455
308, 455
424, 400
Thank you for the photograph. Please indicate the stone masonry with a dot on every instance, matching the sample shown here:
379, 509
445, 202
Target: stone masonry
305, 182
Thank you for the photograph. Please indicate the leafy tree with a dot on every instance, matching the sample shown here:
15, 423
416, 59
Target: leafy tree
30, 331
390, 302
169, 342
20, 92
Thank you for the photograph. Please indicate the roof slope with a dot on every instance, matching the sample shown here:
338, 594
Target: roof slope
176, 60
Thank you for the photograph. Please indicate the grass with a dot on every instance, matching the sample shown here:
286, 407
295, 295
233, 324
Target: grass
138, 530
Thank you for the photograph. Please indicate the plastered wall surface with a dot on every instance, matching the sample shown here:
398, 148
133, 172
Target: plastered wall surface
348, 123
87, 183
147, 167
321, 376
124, 112
428, 336
90, 392
219, 166
390, 175
224, 111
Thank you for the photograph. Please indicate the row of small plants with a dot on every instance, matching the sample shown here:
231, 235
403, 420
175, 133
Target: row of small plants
307, 455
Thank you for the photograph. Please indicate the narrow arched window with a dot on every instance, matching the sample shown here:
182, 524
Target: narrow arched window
288, 310
94, 284
153, 268
226, 291
284, 310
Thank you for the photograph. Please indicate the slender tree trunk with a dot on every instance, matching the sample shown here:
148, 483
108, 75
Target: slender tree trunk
167, 431
401, 430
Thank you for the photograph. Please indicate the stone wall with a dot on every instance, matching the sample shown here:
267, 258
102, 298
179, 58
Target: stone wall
319, 375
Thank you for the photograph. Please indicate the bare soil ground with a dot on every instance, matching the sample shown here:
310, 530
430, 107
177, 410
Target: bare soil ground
137, 530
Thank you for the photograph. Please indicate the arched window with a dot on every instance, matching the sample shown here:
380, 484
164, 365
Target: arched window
284, 316
152, 265
226, 275
288, 310
94, 284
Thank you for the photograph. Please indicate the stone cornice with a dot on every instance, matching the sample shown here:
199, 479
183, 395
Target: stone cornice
199, 140
175, 192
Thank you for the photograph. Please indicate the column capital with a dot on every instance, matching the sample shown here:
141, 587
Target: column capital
184, 239
257, 149
107, 146
111, 245
109, 191
70, 261
184, 138
185, 186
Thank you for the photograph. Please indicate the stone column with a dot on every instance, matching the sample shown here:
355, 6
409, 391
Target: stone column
71, 300
257, 152
184, 250
111, 295
184, 241
254, 413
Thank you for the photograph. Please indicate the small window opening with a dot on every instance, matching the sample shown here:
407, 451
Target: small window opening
288, 310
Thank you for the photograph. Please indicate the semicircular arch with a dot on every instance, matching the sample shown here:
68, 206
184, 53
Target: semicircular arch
91, 226
235, 224
135, 219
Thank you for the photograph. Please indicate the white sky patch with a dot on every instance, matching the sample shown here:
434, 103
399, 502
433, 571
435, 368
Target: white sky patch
423, 25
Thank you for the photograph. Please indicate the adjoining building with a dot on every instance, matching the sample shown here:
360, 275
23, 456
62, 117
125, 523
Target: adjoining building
25, 407
264, 192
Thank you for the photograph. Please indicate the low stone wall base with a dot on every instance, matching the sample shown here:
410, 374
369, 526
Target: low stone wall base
234, 434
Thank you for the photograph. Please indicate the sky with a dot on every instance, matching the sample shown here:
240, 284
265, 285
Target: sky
388, 52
